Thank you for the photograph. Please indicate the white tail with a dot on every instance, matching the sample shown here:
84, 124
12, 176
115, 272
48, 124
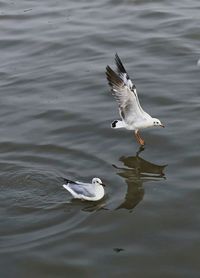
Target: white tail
117, 124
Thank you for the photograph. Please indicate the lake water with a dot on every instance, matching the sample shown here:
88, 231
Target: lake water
55, 117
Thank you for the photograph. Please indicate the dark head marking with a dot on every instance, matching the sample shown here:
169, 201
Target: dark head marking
114, 123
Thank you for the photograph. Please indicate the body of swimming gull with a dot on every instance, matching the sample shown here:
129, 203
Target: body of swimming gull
85, 191
133, 117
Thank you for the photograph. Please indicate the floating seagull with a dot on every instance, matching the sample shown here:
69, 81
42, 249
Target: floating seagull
85, 191
124, 90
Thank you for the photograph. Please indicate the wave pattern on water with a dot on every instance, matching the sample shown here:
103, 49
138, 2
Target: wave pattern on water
55, 117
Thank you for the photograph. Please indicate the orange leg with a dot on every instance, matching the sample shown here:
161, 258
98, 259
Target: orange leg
136, 136
139, 138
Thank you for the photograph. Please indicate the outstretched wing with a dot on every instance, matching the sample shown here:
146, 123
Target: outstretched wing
125, 93
123, 74
125, 77
129, 109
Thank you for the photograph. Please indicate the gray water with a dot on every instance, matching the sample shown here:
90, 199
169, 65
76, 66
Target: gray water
55, 117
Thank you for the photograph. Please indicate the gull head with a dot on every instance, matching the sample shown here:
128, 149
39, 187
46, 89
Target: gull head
97, 181
157, 122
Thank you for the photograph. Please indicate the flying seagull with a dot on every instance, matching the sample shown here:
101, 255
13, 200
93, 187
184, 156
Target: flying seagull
85, 191
133, 117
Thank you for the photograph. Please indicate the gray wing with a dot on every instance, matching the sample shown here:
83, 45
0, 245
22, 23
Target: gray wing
125, 93
82, 189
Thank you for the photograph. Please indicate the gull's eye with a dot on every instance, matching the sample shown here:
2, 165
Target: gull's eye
157, 122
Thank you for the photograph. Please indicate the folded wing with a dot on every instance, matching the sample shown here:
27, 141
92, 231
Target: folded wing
82, 189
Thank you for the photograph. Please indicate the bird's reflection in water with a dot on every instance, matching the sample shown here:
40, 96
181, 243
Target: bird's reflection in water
137, 172
95, 207
90, 206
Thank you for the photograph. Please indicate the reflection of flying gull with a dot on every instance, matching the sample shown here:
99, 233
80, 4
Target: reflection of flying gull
137, 172
133, 117
85, 191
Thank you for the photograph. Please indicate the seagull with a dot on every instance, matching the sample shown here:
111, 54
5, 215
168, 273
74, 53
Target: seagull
133, 117
85, 191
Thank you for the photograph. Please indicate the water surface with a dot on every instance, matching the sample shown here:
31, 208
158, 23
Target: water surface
55, 118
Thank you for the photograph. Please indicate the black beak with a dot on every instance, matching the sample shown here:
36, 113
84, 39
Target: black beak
162, 125
103, 184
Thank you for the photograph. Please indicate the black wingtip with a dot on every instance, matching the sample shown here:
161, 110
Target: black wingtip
113, 78
119, 64
114, 123
67, 180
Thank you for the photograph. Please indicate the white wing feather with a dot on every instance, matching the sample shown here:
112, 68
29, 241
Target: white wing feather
125, 93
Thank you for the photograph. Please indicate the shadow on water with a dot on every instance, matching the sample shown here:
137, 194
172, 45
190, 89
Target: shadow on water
91, 206
137, 172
